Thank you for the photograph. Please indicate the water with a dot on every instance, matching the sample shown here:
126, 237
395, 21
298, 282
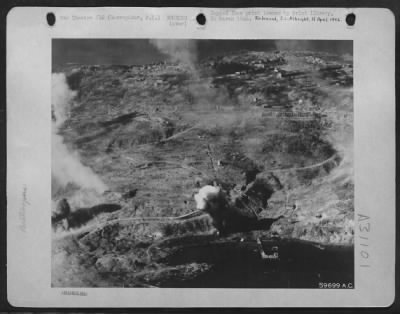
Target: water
239, 265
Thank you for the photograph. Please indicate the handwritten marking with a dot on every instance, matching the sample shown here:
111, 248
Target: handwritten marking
22, 209
364, 226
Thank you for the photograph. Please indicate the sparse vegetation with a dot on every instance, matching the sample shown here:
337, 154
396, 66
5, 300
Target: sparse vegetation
273, 130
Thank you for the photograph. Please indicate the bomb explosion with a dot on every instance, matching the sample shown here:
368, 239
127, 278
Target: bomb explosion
166, 172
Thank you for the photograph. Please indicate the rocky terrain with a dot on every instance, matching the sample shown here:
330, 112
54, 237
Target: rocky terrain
274, 130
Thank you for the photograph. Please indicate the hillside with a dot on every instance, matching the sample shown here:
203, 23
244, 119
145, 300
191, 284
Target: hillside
274, 130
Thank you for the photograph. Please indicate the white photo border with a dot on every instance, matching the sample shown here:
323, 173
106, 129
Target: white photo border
29, 172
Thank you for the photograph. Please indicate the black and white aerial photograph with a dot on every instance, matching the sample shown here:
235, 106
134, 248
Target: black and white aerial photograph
193, 163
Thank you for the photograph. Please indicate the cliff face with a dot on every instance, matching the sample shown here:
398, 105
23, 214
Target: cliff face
273, 130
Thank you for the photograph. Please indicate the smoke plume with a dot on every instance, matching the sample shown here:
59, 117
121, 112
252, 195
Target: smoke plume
185, 52
206, 193
66, 165
61, 98
178, 50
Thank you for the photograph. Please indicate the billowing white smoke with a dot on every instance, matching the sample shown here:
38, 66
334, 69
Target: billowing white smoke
178, 50
66, 165
184, 51
61, 98
206, 193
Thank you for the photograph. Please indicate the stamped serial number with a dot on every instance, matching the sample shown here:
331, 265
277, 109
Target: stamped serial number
335, 285
76, 293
